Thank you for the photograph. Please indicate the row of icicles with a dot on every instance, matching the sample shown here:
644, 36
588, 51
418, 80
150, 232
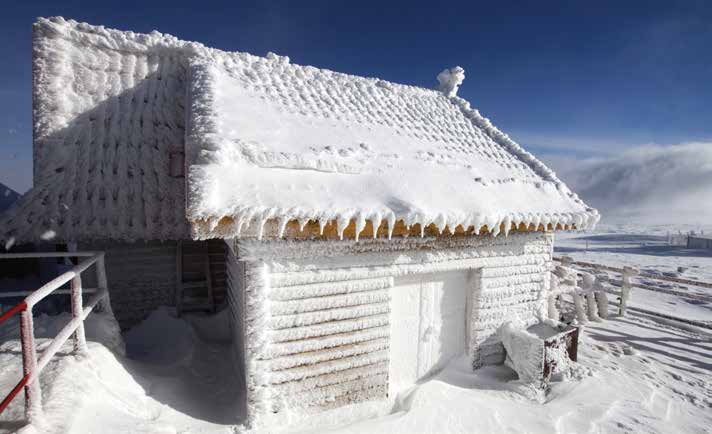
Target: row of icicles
494, 225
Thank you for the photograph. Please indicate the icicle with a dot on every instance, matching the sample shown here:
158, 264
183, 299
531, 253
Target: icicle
266, 215
261, 228
322, 225
213, 223
554, 220
491, 221
517, 220
578, 220
303, 223
283, 225
341, 223
441, 223
536, 220
507, 224
360, 224
376, 223
465, 222
239, 222
249, 216
496, 229
477, 222
391, 224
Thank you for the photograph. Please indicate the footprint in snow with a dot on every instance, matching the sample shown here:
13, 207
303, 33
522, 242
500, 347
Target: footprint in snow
676, 376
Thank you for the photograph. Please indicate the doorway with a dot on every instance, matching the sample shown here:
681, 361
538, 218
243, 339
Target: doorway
428, 325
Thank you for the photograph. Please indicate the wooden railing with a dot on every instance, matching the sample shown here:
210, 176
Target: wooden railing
641, 274
626, 284
31, 365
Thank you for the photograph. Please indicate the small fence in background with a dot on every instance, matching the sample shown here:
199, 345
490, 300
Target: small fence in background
31, 365
627, 282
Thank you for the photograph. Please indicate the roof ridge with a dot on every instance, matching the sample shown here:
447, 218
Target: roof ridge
134, 42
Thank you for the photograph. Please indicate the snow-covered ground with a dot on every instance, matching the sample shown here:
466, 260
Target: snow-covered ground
170, 379
635, 374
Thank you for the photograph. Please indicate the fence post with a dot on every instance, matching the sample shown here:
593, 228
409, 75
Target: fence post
628, 273
80, 340
33, 393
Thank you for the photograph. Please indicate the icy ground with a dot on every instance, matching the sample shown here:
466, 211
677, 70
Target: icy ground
635, 375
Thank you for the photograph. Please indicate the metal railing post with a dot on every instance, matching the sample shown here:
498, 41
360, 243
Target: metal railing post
80, 340
105, 303
33, 393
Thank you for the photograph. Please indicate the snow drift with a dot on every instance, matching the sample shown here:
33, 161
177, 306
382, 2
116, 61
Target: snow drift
649, 184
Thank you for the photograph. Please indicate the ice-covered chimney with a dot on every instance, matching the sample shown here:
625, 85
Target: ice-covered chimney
450, 80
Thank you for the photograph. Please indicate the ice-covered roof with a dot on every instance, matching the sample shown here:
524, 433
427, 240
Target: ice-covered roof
271, 140
266, 141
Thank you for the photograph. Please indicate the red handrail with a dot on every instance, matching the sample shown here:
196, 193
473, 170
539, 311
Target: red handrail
13, 393
19, 307
4, 317
31, 366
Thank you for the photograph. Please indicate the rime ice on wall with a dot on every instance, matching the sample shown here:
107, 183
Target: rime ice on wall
313, 345
318, 314
108, 110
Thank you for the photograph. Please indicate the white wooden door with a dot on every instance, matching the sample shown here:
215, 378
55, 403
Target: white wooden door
428, 320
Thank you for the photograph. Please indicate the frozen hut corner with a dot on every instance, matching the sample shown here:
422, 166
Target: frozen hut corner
379, 231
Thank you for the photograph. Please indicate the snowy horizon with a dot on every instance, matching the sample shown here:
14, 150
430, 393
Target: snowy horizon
649, 185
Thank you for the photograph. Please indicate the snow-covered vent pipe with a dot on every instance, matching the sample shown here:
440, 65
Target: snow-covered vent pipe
450, 80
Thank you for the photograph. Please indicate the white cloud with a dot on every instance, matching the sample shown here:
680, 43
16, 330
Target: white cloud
647, 184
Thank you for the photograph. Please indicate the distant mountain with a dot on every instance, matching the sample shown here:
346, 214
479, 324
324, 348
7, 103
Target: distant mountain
8, 196
649, 184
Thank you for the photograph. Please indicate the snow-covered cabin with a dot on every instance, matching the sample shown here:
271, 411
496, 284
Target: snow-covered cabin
363, 232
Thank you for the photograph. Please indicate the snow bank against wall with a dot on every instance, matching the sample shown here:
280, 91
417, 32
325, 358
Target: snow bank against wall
319, 315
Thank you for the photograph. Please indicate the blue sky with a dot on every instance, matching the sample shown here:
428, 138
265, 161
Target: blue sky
573, 79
